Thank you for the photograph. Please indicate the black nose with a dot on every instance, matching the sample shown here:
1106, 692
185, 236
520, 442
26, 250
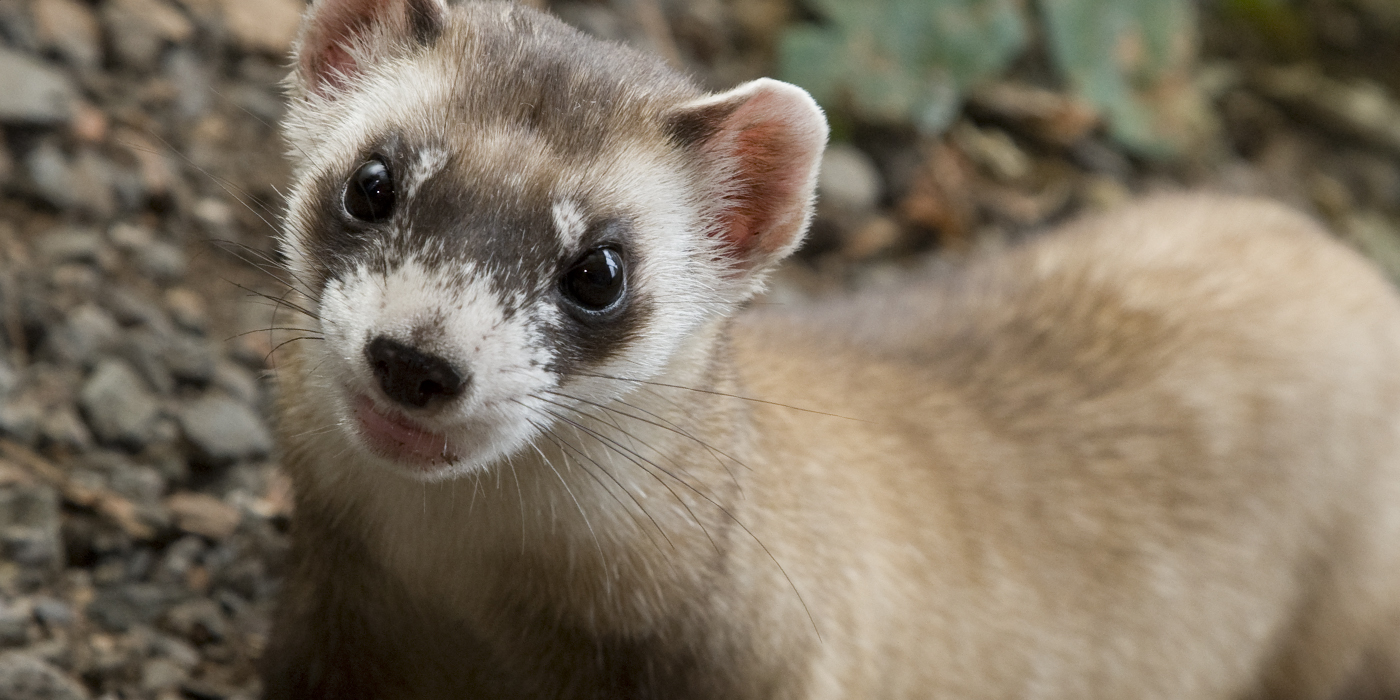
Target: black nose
413, 377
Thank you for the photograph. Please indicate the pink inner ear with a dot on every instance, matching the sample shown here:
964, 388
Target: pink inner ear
334, 67
772, 141
325, 58
767, 187
333, 26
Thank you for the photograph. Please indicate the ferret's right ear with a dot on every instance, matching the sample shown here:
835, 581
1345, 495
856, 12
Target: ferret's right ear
340, 38
762, 144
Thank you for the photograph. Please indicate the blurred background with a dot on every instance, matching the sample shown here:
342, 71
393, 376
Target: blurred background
142, 519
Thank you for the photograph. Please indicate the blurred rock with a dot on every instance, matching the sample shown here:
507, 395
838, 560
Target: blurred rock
161, 674
1361, 109
204, 515
187, 309
70, 244
87, 332
30, 525
92, 184
263, 25
224, 431
118, 406
62, 426
14, 623
32, 92
237, 382
128, 236
876, 236
193, 83
848, 179
50, 173
993, 150
118, 608
139, 29
190, 359
53, 612
162, 261
1047, 116
71, 29
199, 620
27, 677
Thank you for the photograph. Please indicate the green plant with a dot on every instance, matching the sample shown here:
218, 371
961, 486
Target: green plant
911, 61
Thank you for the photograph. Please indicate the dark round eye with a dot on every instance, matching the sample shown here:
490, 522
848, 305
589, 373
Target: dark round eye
369, 195
597, 280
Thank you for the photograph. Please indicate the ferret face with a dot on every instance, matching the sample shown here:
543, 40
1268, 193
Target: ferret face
493, 232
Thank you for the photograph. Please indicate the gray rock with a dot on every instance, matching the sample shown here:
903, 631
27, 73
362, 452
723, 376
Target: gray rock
50, 174
9, 378
14, 623
192, 82
161, 674
53, 612
128, 236
849, 180
190, 359
199, 620
62, 426
71, 244
139, 29
131, 308
21, 418
175, 649
30, 524
161, 260
178, 559
69, 28
139, 483
145, 350
240, 383
118, 608
86, 333
224, 431
27, 677
92, 184
33, 92
117, 404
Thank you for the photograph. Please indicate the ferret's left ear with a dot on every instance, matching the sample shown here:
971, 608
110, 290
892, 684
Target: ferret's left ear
762, 143
340, 38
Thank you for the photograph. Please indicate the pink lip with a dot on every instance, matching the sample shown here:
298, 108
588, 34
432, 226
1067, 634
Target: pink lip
400, 439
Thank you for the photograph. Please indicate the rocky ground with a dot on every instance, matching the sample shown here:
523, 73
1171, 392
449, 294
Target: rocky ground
142, 518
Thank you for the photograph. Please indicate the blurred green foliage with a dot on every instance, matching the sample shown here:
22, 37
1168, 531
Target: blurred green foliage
902, 60
911, 61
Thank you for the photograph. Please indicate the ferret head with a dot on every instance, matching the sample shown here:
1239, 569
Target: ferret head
490, 210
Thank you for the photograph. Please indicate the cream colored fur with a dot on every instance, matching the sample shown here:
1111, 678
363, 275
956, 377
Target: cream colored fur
1153, 455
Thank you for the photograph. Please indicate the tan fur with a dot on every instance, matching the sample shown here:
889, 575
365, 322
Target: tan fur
1153, 455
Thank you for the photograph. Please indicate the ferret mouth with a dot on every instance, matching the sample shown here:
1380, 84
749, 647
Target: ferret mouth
401, 439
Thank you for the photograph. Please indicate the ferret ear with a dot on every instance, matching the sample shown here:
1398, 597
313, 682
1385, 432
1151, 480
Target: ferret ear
763, 141
340, 37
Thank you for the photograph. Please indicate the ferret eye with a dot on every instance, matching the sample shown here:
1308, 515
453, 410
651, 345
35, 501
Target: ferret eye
369, 195
597, 280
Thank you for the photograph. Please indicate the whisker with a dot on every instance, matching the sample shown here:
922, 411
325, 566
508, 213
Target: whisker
717, 393
565, 484
598, 436
714, 452
619, 449
629, 436
558, 440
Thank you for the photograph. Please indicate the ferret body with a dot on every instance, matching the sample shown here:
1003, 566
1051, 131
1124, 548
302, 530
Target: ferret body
542, 451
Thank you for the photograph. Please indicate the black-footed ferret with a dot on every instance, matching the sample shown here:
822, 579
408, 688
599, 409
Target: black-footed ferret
1153, 455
